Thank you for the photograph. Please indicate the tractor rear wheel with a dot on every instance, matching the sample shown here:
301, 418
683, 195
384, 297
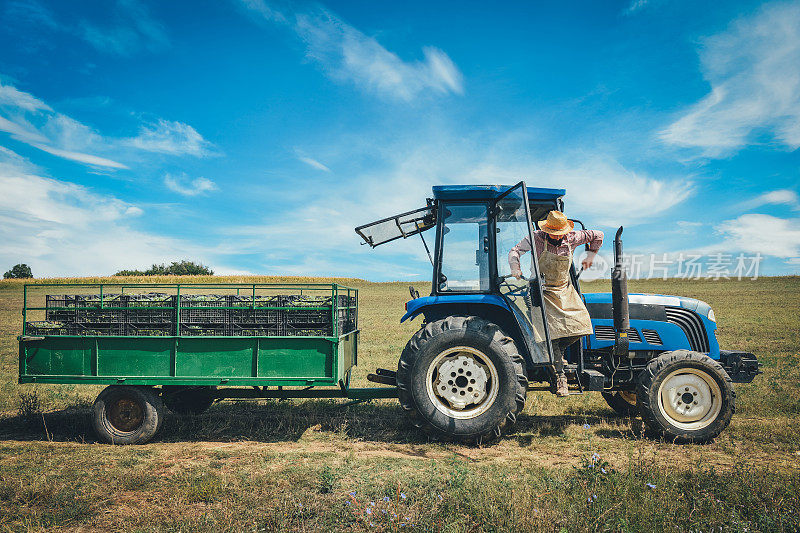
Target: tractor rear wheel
124, 414
462, 378
622, 402
187, 400
686, 396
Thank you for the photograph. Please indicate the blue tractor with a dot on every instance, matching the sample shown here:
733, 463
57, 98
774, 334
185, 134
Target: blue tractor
484, 341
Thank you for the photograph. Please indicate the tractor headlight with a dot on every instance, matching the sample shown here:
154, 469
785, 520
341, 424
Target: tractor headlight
711, 316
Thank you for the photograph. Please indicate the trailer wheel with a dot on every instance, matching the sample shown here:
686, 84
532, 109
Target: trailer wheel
187, 400
686, 396
622, 402
127, 415
462, 378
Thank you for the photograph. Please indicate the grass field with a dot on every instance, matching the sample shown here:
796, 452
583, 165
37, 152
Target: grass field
571, 465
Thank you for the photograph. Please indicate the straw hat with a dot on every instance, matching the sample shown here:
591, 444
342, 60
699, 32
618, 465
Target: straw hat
556, 224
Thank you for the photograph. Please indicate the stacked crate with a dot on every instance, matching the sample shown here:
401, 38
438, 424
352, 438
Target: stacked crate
204, 314
151, 314
155, 314
256, 315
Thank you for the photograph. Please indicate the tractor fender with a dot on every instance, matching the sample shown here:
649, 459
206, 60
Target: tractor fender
490, 307
420, 305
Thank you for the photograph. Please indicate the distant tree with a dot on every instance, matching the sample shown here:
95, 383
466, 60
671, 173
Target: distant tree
176, 268
20, 271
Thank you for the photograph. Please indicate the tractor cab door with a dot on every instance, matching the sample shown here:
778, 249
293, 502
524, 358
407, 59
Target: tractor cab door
514, 233
403, 225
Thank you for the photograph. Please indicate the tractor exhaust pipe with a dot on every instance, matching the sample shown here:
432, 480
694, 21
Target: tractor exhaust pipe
619, 299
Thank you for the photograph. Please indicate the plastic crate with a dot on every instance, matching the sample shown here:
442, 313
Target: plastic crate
254, 330
44, 328
213, 330
191, 315
149, 330
94, 330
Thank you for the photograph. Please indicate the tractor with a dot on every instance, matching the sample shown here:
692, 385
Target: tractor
484, 342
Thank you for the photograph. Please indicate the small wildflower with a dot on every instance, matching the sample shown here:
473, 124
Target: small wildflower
347, 502
403, 495
603, 470
651, 485
386, 498
371, 524
369, 511
372, 504
440, 497
586, 426
595, 455
353, 494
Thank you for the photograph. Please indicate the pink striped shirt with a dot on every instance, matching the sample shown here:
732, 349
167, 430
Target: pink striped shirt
593, 239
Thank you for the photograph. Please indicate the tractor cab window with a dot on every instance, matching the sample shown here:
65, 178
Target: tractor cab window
465, 248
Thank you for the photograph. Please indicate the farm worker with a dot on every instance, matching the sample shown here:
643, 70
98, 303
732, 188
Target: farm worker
567, 317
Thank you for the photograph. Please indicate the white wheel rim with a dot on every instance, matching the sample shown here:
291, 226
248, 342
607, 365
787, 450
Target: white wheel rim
462, 382
690, 399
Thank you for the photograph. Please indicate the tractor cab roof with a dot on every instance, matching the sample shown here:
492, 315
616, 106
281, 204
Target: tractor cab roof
489, 192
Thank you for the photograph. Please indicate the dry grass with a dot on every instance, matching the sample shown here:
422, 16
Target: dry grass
292, 465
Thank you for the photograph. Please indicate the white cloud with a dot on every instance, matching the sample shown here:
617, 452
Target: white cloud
88, 159
786, 197
189, 187
12, 96
29, 120
60, 228
635, 6
313, 163
133, 30
169, 137
347, 54
765, 234
754, 71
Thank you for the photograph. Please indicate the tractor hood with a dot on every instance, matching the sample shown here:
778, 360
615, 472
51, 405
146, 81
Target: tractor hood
692, 304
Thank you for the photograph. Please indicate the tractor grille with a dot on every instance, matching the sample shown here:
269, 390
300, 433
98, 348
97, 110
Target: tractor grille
651, 336
606, 333
691, 325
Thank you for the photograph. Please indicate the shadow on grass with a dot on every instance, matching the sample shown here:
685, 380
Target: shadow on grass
282, 421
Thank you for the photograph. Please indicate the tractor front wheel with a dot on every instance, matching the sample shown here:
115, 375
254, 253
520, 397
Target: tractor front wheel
686, 396
462, 378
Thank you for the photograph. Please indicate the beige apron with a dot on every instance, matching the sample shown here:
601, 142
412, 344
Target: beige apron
566, 313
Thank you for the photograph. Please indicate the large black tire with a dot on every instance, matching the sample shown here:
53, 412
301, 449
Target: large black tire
685, 396
482, 347
124, 414
623, 403
187, 400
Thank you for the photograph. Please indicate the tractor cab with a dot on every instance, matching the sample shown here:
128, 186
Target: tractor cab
484, 341
476, 226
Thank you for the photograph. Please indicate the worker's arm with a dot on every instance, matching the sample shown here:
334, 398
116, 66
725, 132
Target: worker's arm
593, 239
513, 256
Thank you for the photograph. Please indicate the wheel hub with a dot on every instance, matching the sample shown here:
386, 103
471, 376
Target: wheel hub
461, 381
126, 414
686, 397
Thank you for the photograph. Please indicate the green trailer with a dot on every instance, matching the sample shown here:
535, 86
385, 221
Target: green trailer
148, 368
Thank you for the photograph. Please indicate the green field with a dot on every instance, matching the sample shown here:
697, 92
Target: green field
571, 465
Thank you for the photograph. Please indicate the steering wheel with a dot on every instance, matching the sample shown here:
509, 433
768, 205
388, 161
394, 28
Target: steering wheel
513, 290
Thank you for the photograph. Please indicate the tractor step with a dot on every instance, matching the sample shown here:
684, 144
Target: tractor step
592, 380
381, 375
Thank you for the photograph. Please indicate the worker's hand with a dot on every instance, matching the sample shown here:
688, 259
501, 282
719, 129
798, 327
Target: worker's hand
517, 274
586, 263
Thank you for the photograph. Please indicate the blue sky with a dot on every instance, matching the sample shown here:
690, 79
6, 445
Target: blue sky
254, 136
